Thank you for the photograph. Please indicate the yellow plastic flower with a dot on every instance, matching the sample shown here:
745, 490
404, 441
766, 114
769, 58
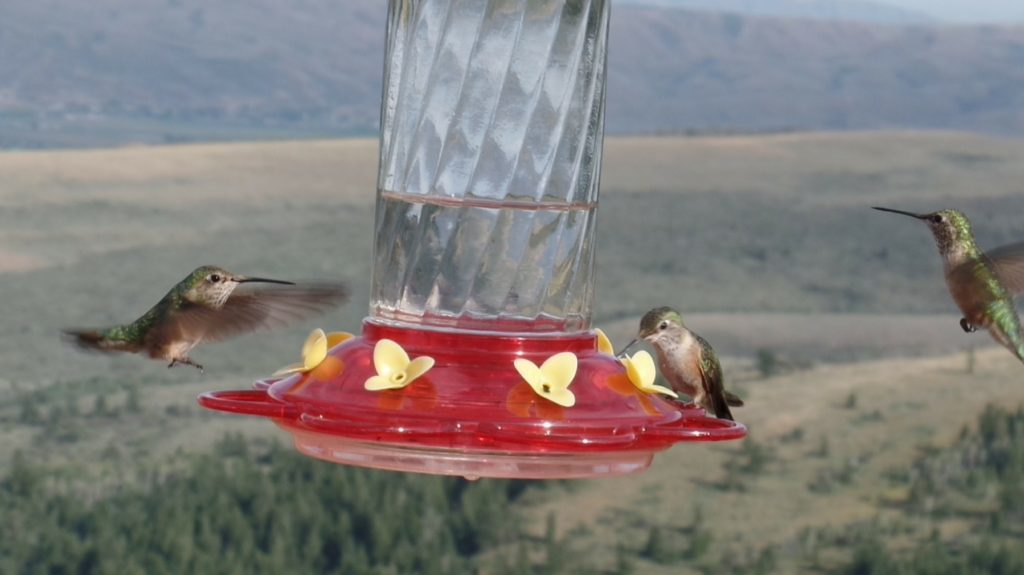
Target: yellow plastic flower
552, 379
314, 351
604, 345
640, 370
394, 370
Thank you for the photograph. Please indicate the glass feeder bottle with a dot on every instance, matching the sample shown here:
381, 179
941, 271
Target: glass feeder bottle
490, 156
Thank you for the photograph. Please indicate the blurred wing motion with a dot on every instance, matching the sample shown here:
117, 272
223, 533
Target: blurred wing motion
1008, 263
251, 308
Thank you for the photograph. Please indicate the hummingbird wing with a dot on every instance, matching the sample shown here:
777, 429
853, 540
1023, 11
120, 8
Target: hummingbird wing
713, 381
1008, 263
251, 308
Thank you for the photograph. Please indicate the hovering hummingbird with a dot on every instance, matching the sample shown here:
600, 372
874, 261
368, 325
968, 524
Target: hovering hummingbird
206, 306
982, 283
686, 360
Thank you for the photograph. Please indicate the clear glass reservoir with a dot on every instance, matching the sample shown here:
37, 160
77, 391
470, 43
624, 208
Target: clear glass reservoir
491, 137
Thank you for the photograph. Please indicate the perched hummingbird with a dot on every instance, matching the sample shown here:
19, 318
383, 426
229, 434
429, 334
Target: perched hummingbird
206, 306
686, 360
982, 283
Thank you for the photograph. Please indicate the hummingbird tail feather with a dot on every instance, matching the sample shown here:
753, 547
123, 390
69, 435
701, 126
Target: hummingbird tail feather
1012, 340
720, 406
1017, 345
733, 400
94, 340
90, 339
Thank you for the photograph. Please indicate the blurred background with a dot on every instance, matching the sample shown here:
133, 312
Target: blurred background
747, 141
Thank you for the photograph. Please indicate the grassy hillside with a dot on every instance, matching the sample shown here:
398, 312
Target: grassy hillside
829, 449
166, 71
766, 244
737, 225
845, 10
853, 469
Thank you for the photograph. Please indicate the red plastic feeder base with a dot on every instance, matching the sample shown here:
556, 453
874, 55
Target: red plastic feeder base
472, 414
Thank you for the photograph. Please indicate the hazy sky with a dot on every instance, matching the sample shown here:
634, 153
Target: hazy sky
967, 10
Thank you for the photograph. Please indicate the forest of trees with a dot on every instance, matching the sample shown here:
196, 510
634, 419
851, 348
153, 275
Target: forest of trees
238, 511
980, 479
254, 508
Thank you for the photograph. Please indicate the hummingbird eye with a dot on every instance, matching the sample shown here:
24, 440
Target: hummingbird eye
936, 219
215, 278
663, 325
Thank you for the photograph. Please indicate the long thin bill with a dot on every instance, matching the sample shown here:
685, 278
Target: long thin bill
265, 281
629, 346
911, 214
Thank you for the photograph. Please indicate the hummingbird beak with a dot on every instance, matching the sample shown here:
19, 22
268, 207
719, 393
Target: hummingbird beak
911, 214
244, 280
629, 346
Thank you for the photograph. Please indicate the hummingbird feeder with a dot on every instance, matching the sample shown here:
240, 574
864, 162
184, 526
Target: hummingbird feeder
477, 358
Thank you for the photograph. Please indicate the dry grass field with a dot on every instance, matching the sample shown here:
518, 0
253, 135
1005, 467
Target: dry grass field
765, 243
899, 408
848, 169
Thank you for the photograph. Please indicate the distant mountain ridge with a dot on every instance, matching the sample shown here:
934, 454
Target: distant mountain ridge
710, 72
842, 10
107, 72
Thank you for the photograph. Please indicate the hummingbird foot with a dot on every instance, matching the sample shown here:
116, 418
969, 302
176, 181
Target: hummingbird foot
967, 326
185, 361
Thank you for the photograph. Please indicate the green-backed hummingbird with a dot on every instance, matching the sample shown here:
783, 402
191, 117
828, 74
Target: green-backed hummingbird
686, 360
210, 305
982, 283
